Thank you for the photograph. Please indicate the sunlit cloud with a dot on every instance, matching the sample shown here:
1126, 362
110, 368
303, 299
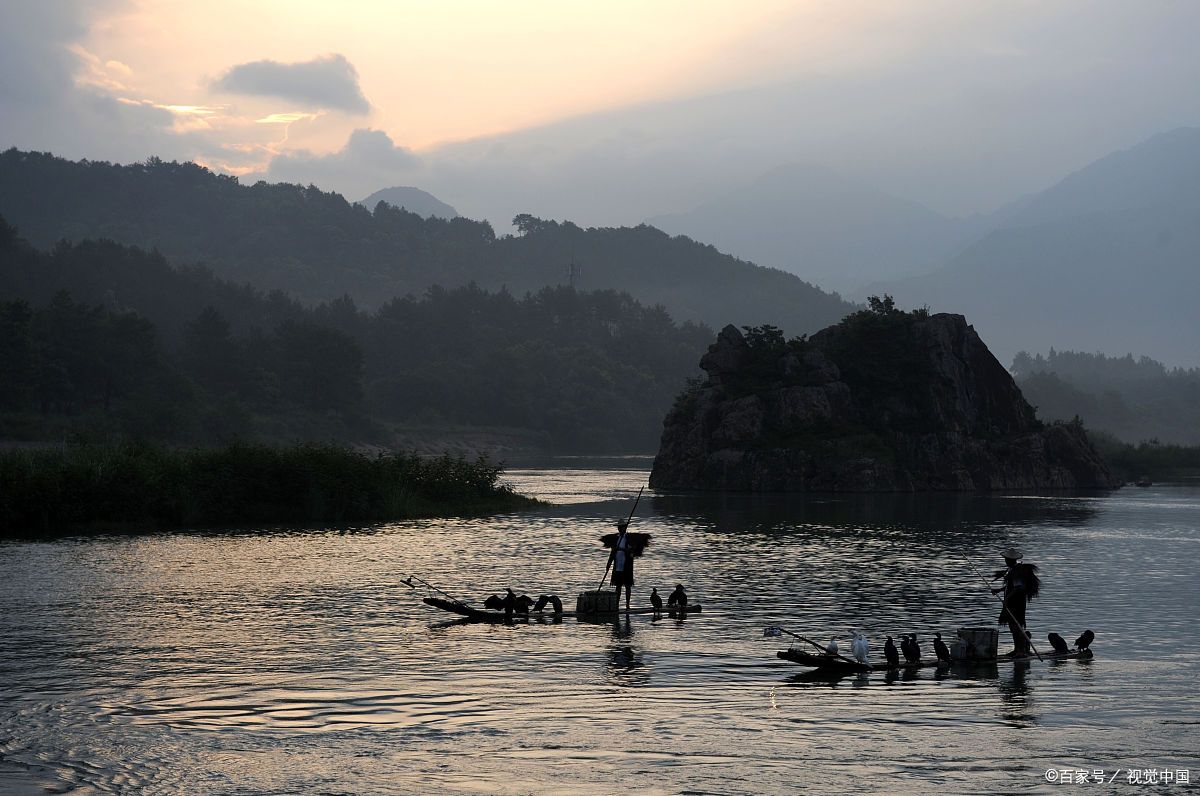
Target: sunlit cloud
93, 72
286, 118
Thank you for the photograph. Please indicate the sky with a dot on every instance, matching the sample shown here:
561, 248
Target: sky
602, 112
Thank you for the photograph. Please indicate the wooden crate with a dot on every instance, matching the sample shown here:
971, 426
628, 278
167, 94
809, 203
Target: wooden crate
598, 602
976, 643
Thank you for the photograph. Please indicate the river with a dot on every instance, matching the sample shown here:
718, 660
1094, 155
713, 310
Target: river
296, 662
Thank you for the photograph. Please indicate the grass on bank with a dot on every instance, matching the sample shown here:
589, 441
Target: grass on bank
136, 486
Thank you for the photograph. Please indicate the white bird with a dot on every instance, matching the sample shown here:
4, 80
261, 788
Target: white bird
832, 648
861, 647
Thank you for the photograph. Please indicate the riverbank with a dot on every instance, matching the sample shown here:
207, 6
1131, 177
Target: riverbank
1153, 460
138, 487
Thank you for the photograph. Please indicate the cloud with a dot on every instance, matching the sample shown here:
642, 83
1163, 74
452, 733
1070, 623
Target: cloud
370, 160
329, 82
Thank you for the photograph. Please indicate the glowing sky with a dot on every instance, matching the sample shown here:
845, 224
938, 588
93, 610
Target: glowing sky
432, 71
607, 112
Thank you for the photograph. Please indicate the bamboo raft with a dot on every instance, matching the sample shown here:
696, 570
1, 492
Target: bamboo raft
500, 617
835, 664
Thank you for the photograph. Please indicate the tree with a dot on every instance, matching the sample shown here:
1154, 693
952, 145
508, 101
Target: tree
17, 360
322, 368
210, 355
882, 306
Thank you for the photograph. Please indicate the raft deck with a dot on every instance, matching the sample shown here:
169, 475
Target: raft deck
829, 663
499, 617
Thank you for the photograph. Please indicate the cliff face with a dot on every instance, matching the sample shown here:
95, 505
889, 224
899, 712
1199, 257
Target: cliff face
884, 401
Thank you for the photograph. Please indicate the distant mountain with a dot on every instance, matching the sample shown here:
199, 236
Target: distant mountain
832, 230
317, 246
1105, 260
414, 200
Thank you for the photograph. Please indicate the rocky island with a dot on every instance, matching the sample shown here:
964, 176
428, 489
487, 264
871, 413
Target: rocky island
884, 401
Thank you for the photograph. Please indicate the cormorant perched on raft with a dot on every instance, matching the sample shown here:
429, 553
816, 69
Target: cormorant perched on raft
1058, 642
940, 649
678, 599
889, 652
860, 647
552, 599
656, 601
494, 603
911, 649
1085, 640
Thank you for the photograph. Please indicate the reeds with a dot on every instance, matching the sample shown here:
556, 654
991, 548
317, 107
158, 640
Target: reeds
137, 486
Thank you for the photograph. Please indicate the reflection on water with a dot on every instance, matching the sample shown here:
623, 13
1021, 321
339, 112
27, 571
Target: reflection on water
296, 662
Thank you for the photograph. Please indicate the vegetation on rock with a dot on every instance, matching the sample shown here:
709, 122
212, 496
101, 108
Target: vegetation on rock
885, 400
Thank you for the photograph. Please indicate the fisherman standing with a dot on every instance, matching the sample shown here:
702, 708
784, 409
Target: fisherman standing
1021, 584
622, 562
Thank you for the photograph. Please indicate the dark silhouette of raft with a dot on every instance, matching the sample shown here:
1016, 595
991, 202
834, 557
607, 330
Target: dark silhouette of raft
499, 617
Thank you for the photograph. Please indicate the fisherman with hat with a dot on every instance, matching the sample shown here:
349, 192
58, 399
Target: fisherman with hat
1021, 584
622, 561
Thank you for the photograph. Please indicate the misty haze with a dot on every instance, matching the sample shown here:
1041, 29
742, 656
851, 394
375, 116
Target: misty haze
345, 347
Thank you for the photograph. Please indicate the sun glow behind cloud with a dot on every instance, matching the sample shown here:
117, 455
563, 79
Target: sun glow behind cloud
437, 71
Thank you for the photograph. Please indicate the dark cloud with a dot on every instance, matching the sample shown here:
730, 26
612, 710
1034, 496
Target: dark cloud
370, 160
328, 82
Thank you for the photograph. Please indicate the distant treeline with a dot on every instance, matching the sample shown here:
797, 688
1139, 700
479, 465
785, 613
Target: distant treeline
318, 247
1152, 460
105, 341
1133, 400
136, 487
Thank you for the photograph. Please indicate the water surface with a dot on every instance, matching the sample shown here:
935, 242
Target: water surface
296, 662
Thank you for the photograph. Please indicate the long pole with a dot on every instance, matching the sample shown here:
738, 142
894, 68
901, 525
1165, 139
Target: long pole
409, 583
1003, 605
818, 646
628, 520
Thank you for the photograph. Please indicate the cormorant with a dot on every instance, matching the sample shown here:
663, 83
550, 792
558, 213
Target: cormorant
1058, 642
889, 652
1085, 640
656, 601
494, 603
551, 599
678, 599
911, 649
940, 648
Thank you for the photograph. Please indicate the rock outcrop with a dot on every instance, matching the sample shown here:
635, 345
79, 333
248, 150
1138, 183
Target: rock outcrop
883, 401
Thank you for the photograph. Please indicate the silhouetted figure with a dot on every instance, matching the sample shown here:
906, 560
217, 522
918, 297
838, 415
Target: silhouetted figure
940, 649
1021, 584
510, 604
910, 648
622, 561
656, 601
1085, 640
552, 600
890, 653
494, 603
1058, 642
523, 603
677, 601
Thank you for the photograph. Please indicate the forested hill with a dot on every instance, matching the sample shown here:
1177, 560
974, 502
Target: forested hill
317, 246
98, 340
1132, 399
